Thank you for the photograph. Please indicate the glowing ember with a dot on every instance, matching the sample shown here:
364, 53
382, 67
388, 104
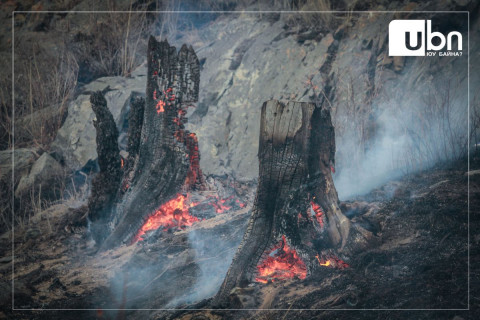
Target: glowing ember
282, 263
160, 107
332, 262
241, 204
173, 213
169, 96
220, 206
224, 205
318, 213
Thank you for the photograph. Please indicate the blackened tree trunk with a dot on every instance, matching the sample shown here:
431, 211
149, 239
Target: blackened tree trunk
106, 182
163, 157
296, 206
135, 120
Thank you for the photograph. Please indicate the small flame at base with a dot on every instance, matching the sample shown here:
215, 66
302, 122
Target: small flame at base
173, 213
282, 263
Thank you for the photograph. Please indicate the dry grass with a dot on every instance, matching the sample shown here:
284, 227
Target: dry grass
113, 44
312, 18
44, 83
47, 66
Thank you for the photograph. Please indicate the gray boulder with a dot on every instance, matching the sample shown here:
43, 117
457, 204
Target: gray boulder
23, 160
45, 178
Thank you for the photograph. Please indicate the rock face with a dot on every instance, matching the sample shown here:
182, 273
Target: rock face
248, 59
43, 178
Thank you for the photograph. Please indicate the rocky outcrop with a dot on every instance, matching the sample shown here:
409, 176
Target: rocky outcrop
247, 62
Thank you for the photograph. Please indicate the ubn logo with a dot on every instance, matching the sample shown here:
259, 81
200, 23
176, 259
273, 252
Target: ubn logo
408, 38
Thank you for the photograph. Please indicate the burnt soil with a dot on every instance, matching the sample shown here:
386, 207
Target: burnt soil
417, 258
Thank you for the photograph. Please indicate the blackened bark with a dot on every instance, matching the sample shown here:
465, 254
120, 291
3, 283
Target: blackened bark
135, 122
135, 119
296, 156
106, 182
167, 158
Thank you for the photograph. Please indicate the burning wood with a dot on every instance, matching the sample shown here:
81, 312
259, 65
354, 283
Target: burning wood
296, 214
173, 213
163, 161
282, 263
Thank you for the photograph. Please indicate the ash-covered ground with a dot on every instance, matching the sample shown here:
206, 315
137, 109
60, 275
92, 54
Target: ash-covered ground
417, 259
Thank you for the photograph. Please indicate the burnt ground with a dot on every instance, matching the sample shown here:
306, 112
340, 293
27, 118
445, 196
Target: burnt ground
417, 259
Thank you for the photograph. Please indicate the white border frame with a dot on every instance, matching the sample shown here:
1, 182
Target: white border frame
241, 12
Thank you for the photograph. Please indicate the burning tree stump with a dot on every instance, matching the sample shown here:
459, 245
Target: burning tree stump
296, 213
163, 160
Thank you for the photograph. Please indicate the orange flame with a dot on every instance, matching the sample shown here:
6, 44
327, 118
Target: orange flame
160, 107
326, 264
173, 213
282, 263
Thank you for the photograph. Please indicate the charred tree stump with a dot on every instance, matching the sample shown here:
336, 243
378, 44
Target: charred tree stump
296, 212
135, 121
106, 183
163, 158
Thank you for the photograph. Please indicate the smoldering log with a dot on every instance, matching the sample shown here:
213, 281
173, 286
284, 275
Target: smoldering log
296, 203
